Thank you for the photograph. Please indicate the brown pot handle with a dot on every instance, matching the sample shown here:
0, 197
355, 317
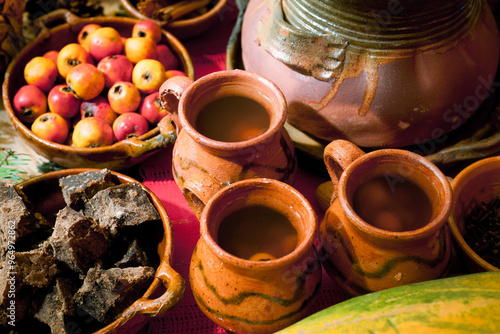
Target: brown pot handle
55, 18
171, 92
140, 312
161, 137
319, 55
338, 155
175, 287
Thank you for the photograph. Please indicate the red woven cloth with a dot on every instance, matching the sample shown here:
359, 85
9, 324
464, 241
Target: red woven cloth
208, 54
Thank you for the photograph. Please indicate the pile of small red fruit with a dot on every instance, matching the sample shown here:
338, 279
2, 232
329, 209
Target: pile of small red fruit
100, 90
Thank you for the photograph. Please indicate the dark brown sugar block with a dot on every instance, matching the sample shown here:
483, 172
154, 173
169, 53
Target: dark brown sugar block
8, 291
13, 314
77, 240
78, 188
72, 245
122, 205
104, 294
21, 275
134, 257
57, 306
18, 220
35, 268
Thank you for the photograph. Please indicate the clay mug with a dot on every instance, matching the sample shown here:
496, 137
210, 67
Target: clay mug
204, 162
263, 292
386, 223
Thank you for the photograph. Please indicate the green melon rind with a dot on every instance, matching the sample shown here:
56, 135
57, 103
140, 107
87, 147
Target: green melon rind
460, 304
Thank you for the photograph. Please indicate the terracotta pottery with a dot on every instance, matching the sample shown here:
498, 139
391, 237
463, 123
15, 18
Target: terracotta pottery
61, 27
183, 27
256, 296
202, 166
361, 257
476, 184
377, 73
166, 291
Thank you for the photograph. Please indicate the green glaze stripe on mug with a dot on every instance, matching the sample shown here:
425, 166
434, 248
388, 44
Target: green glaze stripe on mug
250, 294
247, 170
241, 296
383, 269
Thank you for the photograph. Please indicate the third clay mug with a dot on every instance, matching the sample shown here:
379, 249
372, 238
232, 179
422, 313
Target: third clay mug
385, 226
230, 127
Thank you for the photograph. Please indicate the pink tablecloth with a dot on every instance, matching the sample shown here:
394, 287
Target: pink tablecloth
208, 54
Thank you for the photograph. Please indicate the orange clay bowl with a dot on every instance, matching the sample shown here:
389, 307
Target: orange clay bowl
182, 27
167, 289
64, 30
475, 184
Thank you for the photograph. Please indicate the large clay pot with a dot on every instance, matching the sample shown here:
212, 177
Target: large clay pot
377, 73
256, 296
201, 165
362, 256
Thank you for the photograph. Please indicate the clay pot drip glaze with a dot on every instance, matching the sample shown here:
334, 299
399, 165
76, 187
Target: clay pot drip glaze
359, 31
362, 257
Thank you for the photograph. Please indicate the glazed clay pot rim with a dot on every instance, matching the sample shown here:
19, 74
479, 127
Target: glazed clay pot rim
364, 25
236, 77
412, 159
266, 183
457, 185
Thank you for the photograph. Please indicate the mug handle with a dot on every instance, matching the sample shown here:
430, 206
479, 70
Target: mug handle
338, 155
171, 92
198, 190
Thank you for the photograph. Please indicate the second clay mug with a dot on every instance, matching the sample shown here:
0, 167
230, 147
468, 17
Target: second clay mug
255, 268
385, 226
230, 127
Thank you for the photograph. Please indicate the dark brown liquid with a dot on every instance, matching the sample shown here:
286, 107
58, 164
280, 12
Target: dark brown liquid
257, 233
393, 206
232, 119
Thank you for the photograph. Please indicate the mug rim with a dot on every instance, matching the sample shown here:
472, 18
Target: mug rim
310, 223
277, 120
441, 184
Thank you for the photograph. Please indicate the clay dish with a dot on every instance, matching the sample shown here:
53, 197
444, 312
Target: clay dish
59, 28
477, 183
182, 27
167, 289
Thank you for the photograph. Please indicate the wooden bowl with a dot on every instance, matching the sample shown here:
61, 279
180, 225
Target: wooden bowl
182, 28
167, 289
478, 183
57, 29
